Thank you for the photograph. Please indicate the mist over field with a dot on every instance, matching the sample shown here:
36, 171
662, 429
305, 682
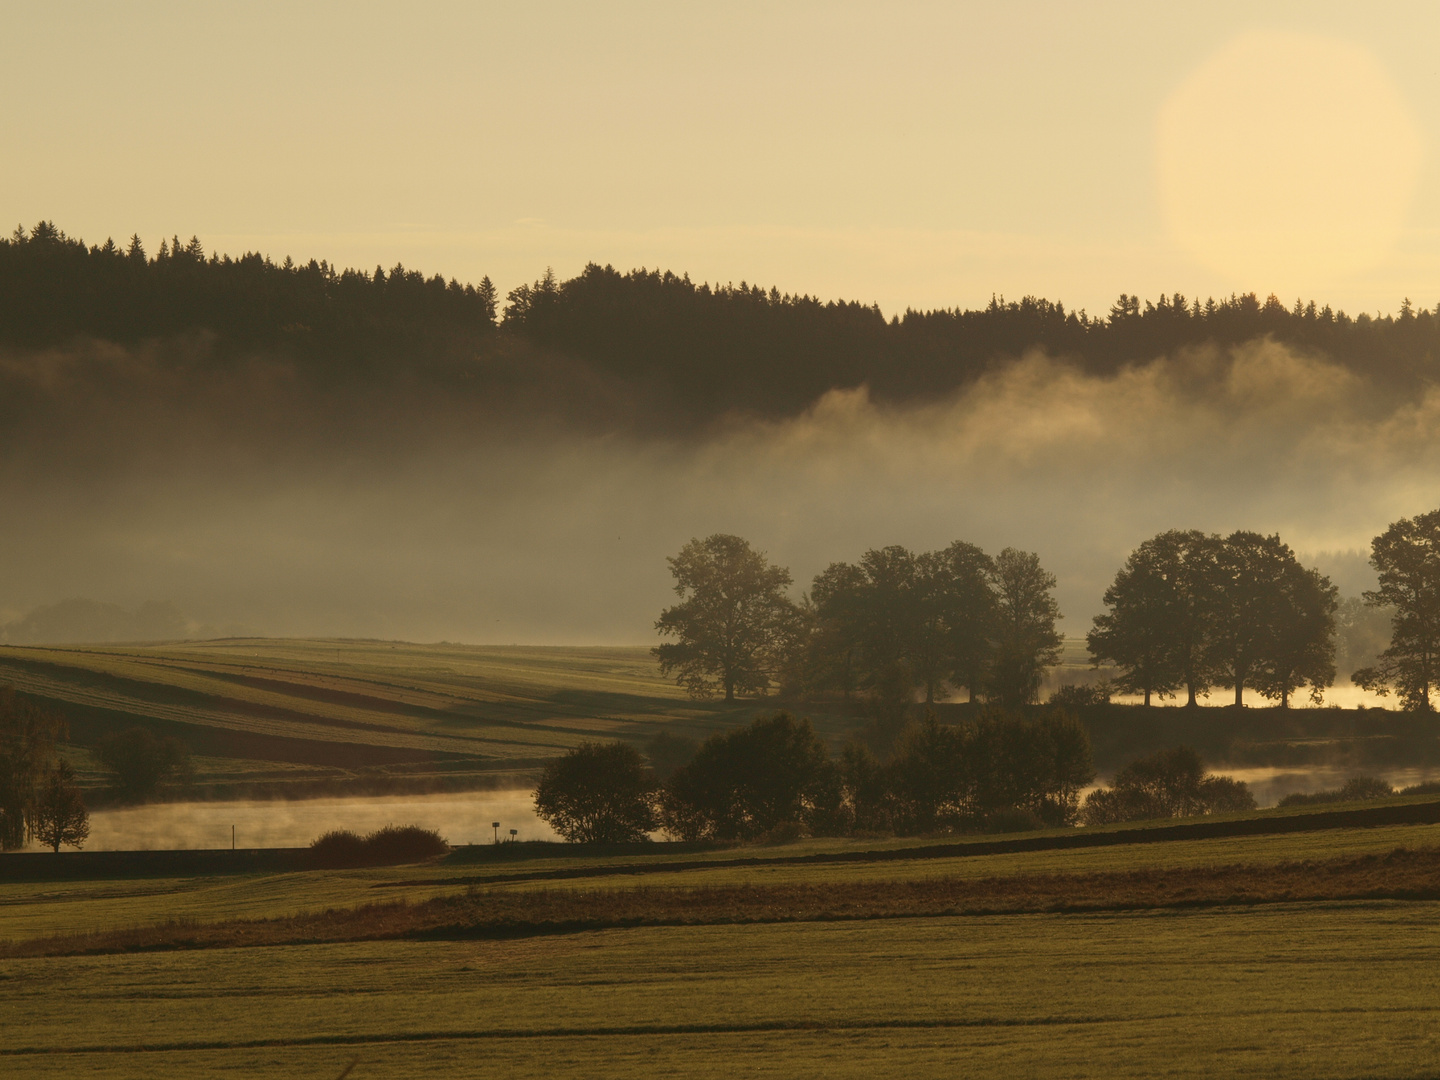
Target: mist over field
429, 506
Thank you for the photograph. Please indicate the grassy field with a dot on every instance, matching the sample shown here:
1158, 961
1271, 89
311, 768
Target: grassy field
317, 716
1293, 986
267, 717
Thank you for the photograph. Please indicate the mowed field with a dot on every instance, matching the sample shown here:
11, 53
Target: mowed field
281, 715
1298, 955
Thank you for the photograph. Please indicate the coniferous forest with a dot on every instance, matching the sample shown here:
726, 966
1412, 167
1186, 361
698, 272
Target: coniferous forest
684, 351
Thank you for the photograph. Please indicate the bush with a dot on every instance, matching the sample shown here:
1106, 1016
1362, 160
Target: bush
339, 847
1356, 789
389, 846
1365, 787
1225, 795
955, 777
598, 793
1080, 696
1171, 783
404, 844
742, 784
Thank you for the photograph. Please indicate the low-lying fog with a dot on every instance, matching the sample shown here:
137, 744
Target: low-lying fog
255, 506
460, 818
466, 818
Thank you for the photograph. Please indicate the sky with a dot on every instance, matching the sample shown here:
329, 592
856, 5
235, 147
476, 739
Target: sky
907, 154
925, 155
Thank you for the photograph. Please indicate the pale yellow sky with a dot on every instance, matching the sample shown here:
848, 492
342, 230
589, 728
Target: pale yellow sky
913, 154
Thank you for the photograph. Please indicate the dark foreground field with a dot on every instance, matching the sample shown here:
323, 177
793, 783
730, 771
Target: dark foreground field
1286, 954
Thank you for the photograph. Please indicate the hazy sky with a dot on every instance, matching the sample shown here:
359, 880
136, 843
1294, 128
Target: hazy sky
925, 154
908, 154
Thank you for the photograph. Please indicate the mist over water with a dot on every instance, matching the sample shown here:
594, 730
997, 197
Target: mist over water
459, 818
254, 503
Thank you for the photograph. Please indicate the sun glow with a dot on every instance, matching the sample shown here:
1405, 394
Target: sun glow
1286, 162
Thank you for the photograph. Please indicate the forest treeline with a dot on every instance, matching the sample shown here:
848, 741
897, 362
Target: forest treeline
1187, 613
699, 350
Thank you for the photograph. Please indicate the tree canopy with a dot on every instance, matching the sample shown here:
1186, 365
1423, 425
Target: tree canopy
1407, 558
1194, 610
732, 621
598, 793
29, 734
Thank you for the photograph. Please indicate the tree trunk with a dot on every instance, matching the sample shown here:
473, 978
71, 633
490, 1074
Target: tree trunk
1190, 686
1239, 689
729, 689
1147, 697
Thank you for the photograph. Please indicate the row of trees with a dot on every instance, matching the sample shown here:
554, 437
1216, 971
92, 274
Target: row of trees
890, 625
54, 288
694, 350
1191, 610
774, 777
725, 347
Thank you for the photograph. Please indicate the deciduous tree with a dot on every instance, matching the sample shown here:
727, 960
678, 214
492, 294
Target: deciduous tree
1026, 640
598, 793
1142, 630
745, 783
1301, 649
28, 734
1250, 596
1407, 558
732, 621
60, 814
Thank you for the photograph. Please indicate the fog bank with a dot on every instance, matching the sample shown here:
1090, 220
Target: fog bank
253, 498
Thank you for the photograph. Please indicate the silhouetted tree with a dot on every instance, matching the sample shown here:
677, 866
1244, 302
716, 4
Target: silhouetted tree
1142, 632
970, 613
1405, 556
866, 790
597, 793
961, 776
60, 814
139, 763
745, 783
898, 622
931, 783
732, 621
1301, 649
1026, 641
1250, 567
835, 648
1037, 764
28, 735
